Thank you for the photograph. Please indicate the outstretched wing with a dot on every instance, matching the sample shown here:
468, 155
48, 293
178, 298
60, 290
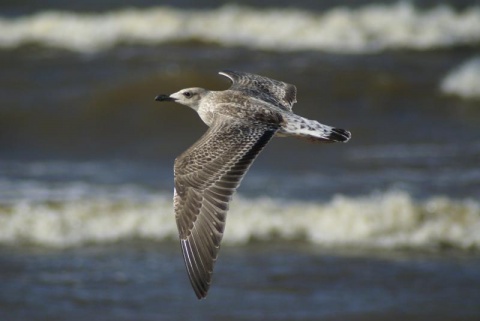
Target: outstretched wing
206, 176
269, 90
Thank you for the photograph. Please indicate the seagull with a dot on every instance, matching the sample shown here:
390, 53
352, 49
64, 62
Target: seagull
241, 120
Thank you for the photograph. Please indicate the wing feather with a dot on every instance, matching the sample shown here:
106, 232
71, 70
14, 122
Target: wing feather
272, 91
206, 176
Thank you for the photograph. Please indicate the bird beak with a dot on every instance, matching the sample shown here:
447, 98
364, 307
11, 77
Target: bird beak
164, 98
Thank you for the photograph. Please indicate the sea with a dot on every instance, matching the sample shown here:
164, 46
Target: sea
384, 227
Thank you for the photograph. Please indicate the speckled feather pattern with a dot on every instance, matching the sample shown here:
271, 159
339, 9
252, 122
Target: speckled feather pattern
242, 121
206, 176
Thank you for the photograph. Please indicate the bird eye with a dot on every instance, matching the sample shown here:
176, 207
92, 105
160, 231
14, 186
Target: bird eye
187, 94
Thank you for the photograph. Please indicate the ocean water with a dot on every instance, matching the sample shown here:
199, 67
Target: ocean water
385, 227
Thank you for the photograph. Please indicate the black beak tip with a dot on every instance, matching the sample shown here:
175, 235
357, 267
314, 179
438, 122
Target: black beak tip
164, 98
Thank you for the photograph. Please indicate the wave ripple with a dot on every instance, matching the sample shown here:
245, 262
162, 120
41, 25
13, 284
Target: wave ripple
371, 28
388, 220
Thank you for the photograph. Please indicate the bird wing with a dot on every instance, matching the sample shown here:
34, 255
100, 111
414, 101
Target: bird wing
206, 176
269, 90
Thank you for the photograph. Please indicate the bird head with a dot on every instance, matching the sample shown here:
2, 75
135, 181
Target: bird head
189, 97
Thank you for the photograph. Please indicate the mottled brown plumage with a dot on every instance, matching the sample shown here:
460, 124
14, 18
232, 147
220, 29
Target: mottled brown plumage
242, 121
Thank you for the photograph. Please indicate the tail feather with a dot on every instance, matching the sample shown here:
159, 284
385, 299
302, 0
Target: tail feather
313, 131
339, 135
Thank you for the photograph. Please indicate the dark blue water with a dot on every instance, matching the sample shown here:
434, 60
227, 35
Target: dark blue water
260, 282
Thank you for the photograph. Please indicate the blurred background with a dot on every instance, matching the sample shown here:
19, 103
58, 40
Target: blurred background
384, 227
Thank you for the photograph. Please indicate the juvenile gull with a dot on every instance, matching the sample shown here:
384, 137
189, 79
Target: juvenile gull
242, 120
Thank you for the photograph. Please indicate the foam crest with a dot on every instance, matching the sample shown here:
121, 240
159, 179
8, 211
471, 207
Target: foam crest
464, 80
81, 221
366, 29
388, 220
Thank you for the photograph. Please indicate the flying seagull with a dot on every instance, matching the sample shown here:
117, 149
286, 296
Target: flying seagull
242, 120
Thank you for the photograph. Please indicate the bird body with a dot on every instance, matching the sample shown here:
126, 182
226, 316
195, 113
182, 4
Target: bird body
241, 120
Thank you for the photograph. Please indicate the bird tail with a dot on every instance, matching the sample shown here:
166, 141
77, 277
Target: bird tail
313, 131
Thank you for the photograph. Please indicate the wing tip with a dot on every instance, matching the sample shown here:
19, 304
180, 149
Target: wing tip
200, 293
200, 284
227, 73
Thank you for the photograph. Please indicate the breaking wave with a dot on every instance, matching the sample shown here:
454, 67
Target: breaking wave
463, 81
371, 28
385, 220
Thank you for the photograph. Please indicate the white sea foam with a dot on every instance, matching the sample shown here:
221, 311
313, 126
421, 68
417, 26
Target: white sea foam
464, 80
388, 220
366, 29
